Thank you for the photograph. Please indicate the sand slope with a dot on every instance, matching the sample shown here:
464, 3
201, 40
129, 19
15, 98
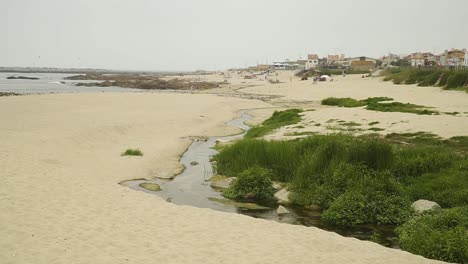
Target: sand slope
60, 200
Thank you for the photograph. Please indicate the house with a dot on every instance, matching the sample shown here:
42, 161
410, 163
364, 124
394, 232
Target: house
416, 59
362, 63
429, 59
466, 59
456, 57
312, 61
333, 58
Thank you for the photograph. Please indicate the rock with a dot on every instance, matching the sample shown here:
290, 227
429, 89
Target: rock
276, 185
282, 196
421, 206
22, 78
154, 187
282, 210
250, 206
221, 182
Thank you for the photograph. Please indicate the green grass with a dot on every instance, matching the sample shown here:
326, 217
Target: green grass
447, 79
322, 168
401, 107
132, 152
342, 102
376, 129
373, 123
380, 104
439, 235
277, 120
303, 133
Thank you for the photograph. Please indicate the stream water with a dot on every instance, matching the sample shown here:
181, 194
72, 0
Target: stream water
192, 187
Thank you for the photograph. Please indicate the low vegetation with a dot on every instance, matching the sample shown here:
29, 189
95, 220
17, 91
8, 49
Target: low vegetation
380, 104
252, 183
277, 120
439, 235
132, 152
447, 79
362, 180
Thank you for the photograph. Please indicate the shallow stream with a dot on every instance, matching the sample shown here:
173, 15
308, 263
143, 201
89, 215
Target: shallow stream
192, 187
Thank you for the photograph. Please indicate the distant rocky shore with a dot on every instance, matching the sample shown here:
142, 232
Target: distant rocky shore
8, 94
136, 81
21, 78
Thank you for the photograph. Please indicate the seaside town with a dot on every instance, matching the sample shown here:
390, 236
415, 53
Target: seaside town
453, 59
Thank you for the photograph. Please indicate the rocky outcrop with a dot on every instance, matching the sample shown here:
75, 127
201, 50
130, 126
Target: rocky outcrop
282, 210
282, 196
421, 206
147, 82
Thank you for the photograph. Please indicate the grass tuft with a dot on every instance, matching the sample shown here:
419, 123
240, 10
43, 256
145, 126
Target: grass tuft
132, 152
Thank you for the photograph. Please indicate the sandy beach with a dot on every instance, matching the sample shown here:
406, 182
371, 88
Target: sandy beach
60, 162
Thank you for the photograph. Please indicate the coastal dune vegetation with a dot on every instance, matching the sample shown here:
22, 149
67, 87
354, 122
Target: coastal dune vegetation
447, 79
363, 180
381, 104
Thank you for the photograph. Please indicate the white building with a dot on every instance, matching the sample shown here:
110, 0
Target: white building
466, 59
416, 60
312, 61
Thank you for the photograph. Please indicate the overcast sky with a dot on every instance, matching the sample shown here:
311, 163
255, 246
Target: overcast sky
218, 34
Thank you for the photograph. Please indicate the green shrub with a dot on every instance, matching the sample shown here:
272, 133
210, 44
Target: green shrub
349, 209
132, 152
439, 235
254, 182
342, 102
376, 199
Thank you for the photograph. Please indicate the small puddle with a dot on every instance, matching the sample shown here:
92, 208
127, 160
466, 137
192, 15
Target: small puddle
192, 187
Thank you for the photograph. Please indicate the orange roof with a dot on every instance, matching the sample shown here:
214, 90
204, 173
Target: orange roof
333, 57
312, 57
456, 54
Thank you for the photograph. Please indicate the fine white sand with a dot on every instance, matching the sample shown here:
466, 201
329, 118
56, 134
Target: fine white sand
60, 200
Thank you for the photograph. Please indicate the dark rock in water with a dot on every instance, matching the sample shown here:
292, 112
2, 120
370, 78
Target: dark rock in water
21, 78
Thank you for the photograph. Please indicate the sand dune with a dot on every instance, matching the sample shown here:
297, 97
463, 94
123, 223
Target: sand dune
60, 200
